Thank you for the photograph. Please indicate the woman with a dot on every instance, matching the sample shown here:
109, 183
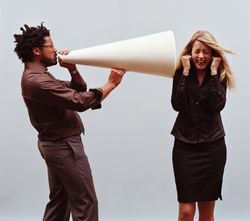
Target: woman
199, 154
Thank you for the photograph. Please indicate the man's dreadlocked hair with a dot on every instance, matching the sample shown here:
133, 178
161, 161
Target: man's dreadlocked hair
31, 37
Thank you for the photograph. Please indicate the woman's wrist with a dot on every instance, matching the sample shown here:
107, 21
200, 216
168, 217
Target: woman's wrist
185, 72
213, 72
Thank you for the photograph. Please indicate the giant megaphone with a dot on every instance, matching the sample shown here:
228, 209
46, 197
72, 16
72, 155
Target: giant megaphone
152, 54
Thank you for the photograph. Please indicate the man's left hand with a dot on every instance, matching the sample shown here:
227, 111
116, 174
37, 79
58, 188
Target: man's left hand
69, 66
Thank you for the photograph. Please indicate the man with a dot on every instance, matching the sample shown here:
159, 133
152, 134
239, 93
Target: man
52, 106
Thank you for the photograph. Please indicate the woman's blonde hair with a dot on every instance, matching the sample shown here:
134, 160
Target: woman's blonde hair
208, 39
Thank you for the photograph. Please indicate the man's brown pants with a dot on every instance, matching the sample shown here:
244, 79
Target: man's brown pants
70, 181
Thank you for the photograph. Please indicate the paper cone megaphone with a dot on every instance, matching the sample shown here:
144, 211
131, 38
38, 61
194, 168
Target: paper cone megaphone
152, 54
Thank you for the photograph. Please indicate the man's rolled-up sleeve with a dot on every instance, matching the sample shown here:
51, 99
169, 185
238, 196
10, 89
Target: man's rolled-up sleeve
99, 93
54, 93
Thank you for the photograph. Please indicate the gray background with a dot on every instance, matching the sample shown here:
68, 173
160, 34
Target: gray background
128, 141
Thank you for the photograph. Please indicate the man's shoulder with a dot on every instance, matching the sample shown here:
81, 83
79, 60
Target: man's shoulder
34, 72
34, 80
30, 75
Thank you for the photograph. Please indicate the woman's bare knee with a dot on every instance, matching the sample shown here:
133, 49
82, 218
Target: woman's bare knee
186, 211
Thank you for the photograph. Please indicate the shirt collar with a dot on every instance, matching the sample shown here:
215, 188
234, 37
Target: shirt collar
35, 67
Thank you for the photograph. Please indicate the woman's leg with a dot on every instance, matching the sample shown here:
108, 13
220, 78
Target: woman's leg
206, 210
186, 211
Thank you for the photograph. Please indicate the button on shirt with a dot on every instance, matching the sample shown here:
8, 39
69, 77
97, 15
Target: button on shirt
52, 104
198, 106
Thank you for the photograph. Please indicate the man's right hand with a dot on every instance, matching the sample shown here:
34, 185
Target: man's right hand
116, 76
114, 80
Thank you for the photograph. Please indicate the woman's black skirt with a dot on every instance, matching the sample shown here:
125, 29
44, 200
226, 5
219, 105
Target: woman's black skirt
198, 170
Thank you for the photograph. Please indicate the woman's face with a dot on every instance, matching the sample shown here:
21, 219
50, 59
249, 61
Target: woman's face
201, 55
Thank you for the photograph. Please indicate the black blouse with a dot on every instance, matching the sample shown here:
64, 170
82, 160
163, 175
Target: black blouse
199, 106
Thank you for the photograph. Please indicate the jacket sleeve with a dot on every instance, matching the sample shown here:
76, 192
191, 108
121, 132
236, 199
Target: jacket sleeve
55, 93
74, 85
217, 99
179, 95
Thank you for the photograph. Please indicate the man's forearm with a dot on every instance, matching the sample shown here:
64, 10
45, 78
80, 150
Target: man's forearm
76, 77
106, 89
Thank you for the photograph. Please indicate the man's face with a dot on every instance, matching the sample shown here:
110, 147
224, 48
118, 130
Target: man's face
48, 53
